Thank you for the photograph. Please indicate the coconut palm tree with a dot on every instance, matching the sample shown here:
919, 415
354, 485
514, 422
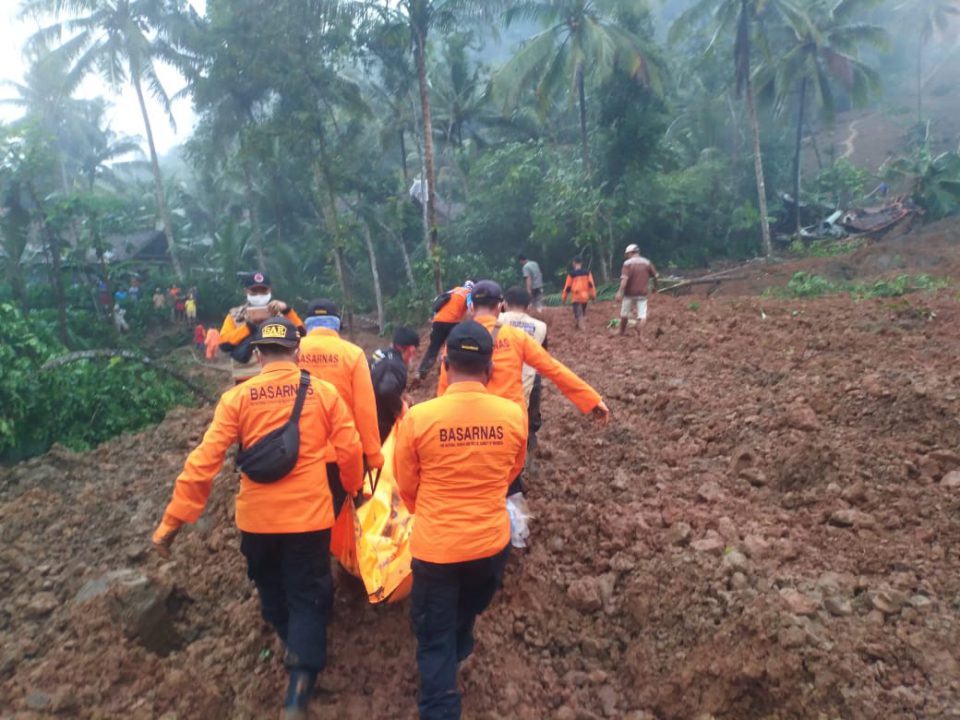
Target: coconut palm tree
46, 98
579, 45
736, 19
932, 17
122, 41
821, 48
424, 17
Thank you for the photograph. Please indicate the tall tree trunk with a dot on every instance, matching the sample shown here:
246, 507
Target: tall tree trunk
816, 149
758, 169
52, 243
251, 200
403, 160
328, 202
796, 155
431, 232
407, 266
53, 248
920, 81
584, 142
157, 179
375, 272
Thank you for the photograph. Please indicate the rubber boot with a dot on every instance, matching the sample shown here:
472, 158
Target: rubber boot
299, 690
624, 323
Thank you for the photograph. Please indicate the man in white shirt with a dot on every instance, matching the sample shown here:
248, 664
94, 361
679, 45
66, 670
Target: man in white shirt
516, 305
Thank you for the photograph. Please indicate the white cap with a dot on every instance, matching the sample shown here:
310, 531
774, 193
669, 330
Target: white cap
632, 248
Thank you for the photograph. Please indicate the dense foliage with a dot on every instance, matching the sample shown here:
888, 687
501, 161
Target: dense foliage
78, 404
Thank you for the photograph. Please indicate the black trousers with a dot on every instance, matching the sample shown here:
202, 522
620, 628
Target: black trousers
292, 575
445, 602
534, 416
438, 336
579, 310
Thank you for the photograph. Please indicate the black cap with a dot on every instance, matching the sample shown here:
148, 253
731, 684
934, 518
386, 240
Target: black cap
323, 308
486, 291
517, 297
256, 279
406, 337
277, 331
469, 340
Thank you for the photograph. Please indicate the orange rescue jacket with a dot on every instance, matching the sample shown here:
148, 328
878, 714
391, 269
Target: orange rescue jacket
299, 502
454, 458
236, 329
342, 364
579, 286
456, 307
514, 348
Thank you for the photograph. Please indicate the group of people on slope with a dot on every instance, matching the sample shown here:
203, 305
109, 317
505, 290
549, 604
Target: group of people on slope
456, 460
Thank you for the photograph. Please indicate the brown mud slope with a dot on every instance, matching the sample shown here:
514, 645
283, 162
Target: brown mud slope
770, 528
931, 249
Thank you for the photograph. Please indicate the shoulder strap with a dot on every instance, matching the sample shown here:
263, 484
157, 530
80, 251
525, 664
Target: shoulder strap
301, 396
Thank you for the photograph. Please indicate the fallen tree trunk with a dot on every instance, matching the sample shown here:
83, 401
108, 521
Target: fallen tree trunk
700, 281
129, 355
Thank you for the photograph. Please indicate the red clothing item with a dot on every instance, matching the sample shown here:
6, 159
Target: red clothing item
199, 334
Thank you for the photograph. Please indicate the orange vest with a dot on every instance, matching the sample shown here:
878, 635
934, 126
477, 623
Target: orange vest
580, 287
456, 307
299, 502
235, 330
454, 458
514, 348
342, 364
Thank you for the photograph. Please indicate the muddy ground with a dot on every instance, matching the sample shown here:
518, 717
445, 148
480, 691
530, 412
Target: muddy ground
769, 528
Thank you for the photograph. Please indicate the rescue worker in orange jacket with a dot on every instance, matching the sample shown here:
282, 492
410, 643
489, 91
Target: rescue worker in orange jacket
449, 308
342, 364
240, 325
581, 289
455, 456
284, 525
513, 348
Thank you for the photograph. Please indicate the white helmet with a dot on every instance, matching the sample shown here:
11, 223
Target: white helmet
632, 248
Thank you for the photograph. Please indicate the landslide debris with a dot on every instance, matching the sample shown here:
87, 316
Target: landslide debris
770, 527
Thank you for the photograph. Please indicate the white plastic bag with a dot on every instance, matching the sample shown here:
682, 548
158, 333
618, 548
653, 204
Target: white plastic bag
519, 515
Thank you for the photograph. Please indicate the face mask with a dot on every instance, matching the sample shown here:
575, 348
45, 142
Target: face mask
258, 300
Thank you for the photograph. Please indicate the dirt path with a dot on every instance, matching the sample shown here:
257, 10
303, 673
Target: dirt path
848, 144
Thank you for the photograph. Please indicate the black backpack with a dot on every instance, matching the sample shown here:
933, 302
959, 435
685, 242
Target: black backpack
274, 455
440, 300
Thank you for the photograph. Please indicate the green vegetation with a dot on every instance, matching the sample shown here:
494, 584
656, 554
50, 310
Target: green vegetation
809, 285
79, 404
825, 247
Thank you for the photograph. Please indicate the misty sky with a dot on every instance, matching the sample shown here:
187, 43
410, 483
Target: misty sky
125, 113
